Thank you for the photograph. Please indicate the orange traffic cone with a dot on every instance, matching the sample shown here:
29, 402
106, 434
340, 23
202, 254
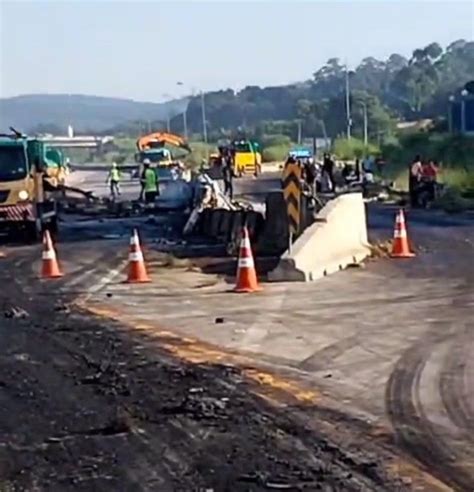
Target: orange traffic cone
50, 267
400, 247
137, 273
246, 274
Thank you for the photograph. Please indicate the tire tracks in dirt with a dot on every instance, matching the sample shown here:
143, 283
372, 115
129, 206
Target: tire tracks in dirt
412, 427
453, 383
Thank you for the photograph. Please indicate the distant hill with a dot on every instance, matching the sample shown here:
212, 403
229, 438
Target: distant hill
92, 113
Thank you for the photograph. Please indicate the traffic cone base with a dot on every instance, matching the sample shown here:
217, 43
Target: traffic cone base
137, 273
401, 247
49, 267
246, 274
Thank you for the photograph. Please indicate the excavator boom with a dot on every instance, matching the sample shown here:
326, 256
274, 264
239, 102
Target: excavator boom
159, 139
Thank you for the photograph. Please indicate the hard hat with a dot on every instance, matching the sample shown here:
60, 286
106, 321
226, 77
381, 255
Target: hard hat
146, 162
114, 164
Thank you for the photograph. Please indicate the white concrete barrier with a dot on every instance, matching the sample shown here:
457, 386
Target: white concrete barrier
337, 239
272, 167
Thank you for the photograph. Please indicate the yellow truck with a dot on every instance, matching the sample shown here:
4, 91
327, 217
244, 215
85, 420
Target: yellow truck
246, 157
28, 181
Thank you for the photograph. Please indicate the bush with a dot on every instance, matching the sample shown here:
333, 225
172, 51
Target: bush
276, 141
452, 201
275, 153
200, 152
353, 149
454, 152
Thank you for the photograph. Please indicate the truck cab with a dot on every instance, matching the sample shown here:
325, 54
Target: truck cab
246, 157
157, 156
26, 201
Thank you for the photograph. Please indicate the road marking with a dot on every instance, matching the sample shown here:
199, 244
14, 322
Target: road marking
105, 280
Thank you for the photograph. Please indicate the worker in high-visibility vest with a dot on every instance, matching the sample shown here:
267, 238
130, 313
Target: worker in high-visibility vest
114, 180
149, 182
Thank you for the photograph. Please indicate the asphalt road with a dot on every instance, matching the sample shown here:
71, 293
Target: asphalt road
363, 381
246, 187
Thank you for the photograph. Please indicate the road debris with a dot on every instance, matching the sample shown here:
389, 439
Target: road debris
381, 249
15, 312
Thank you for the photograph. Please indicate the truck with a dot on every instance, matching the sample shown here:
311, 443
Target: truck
152, 147
246, 157
28, 185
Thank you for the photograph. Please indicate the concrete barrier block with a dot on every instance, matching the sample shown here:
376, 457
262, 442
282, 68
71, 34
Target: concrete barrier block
337, 239
274, 237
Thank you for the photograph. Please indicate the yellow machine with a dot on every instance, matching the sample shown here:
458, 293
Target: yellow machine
27, 186
246, 157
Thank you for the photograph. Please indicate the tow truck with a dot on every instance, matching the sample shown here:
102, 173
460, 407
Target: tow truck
28, 185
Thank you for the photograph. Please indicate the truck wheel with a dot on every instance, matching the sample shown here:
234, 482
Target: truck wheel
30, 233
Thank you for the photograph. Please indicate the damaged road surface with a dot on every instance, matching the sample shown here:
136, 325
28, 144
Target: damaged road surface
87, 404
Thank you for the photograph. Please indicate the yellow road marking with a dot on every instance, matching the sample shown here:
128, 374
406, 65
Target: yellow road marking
195, 351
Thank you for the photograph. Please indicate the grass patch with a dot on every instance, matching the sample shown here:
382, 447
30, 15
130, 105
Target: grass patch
453, 201
276, 153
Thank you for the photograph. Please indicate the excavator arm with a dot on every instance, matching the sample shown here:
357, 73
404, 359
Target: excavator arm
159, 139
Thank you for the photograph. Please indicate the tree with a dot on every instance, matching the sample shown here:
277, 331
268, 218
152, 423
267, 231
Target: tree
391, 88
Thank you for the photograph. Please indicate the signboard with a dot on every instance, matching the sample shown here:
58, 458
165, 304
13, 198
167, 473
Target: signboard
291, 183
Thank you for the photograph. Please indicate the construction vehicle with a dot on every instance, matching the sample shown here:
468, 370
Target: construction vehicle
28, 182
152, 147
246, 157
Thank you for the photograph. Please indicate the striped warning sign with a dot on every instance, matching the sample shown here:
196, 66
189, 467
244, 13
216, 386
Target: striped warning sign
291, 183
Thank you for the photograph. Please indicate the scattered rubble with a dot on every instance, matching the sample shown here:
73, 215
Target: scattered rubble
381, 249
15, 312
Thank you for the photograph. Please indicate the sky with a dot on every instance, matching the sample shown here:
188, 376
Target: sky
141, 49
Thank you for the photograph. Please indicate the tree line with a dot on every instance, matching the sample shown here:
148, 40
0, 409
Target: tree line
390, 90
385, 91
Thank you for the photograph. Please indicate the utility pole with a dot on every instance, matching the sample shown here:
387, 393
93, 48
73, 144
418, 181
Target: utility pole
348, 105
464, 94
168, 124
203, 112
366, 125
450, 114
185, 123
299, 131
185, 118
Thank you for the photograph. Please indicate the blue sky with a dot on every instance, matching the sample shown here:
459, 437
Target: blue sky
140, 49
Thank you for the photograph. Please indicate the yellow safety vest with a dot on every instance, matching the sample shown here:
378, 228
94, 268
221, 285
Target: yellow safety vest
114, 174
150, 180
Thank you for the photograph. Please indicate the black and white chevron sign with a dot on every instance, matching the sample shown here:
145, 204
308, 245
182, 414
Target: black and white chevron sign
291, 183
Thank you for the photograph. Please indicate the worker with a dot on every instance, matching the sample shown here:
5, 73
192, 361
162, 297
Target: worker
414, 178
328, 174
149, 182
227, 175
113, 179
141, 171
429, 178
309, 169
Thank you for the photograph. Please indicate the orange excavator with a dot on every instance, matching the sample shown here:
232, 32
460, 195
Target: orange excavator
152, 147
